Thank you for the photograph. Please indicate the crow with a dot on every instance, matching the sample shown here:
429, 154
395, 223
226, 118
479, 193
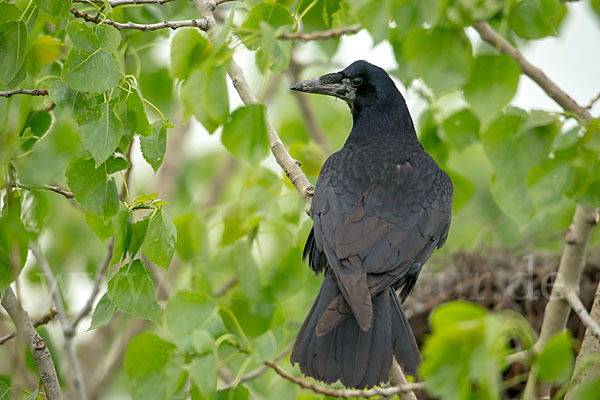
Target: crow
381, 206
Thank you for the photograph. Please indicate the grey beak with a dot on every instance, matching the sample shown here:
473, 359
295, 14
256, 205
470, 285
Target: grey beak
331, 84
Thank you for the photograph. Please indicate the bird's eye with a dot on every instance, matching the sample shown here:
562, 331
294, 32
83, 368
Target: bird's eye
356, 81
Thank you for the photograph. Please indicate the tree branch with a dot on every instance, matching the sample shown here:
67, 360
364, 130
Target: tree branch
290, 166
199, 23
226, 287
592, 102
33, 92
569, 273
116, 3
578, 235
487, 33
55, 189
347, 393
99, 276
580, 310
584, 370
320, 35
37, 346
49, 316
262, 369
397, 379
68, 331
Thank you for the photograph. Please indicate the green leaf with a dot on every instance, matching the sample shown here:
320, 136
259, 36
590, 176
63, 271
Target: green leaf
137, 119
13, 47
14, 241
92, 187
147, 355
492, 84
203, 341
455, 312
154, 146
188, 312
138, 233
514, 143
253, 312
203, 371
145, 198
466, 352
79, 104
596, 7
189, 49
273, 54
132, 291
108, 36
534, 19
374, 16
122, 231
83, 36
555, 362
442, 57
80, 65
587, 389
463, 190
45, 49
461, 129
55, 8
103, 313
204, 94
9, 12
465, 12
192, 236
161, 236
33, 396
239, 392
101, 133
103, 229
245, 134
272, 14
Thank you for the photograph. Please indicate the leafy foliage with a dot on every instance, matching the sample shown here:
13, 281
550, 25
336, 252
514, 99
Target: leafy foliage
222, 282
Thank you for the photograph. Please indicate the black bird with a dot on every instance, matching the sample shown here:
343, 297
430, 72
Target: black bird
381, 206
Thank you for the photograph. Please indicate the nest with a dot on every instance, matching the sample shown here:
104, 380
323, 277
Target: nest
497, 280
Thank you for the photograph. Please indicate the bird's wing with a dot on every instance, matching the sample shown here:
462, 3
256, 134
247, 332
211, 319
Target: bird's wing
379, 237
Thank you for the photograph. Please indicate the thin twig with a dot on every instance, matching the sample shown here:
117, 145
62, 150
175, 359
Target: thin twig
37, 346
116, 3
320, 35
581, 311
262, 369
518, 357
99, 276
68, 331
33, 92
347, 393
592, 102
488, 34
225, 288
49, 316
55, 189
199, 23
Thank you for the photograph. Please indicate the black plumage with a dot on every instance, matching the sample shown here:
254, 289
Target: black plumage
381, 206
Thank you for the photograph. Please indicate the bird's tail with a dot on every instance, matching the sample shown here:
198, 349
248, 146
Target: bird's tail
357, 358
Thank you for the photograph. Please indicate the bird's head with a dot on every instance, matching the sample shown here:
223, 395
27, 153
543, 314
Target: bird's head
361, 85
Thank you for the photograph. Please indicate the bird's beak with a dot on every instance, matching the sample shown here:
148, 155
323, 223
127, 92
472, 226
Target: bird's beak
331, 84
